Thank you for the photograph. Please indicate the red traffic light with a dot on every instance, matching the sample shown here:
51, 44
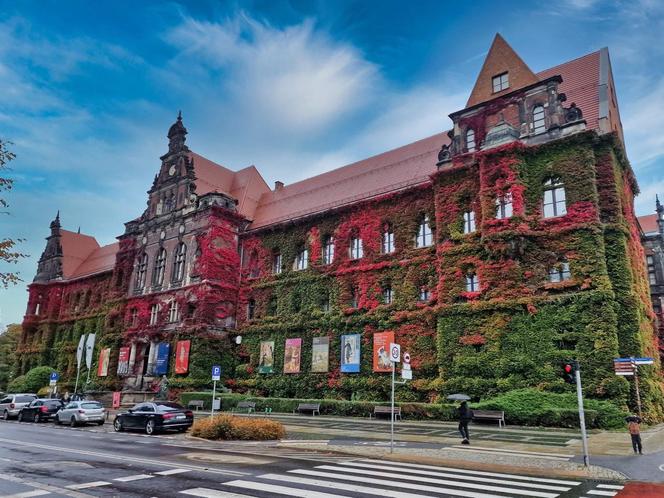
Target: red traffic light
568, 368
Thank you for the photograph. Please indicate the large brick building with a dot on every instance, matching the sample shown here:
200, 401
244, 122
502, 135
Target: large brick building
491, 252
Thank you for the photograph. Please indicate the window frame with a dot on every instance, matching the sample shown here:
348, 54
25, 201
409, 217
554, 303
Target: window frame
424, 295
159, 271
251, 309
388, 295
328, 250
277, 266
424, 233
155, 309
470, 139
142, 271
302, 258
472, 282
504, 206
469, 225
560, 272
555, 189
179, 262
502, 80
652, 270
539, 122
173, 311
388, 245
356, 249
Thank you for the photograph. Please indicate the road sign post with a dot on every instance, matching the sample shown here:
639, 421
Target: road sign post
582, 415
216, 375
630, 366
395, 357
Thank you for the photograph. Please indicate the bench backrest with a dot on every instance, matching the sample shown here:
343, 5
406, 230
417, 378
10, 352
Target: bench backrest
246, 404
196, 402
308, 406
386, 409
488, 413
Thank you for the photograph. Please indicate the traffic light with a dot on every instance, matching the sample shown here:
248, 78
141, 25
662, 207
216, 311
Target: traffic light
568, 372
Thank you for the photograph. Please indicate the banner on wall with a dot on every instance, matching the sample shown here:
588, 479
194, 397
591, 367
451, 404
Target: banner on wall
182, 357
266, 357
320, 354
104, 358
292, 354
123, 361
381, 351
350, 353
89, 348
163, 352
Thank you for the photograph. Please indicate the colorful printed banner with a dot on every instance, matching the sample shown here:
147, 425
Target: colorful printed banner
182, 357
266, 358
104, 358
123, 361
381, 353
350, 353
292, 354
163, 352
320, 354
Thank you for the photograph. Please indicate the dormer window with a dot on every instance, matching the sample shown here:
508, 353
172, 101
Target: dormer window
470, 140
500, 82
539, 125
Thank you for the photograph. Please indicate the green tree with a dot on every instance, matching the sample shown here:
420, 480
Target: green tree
32, 381
8, 343
8, 252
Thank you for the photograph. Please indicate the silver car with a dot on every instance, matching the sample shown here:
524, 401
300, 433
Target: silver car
11, 404
81, 412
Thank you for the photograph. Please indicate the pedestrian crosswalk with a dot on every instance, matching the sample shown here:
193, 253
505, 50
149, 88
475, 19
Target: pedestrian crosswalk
366, 477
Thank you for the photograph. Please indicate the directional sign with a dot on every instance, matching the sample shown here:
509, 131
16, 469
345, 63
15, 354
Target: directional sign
406, 357
395, 352
643, 361
53, 379
216, 372
623, 367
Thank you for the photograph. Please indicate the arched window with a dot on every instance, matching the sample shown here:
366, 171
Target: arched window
328, 250
470, 140
173, 312
388, 240
469, 222
472, 282
424, 235
159, 268
179, 262
504, 206
302, 258
554, 198
356, 250
141, 271
539, 125
560, 272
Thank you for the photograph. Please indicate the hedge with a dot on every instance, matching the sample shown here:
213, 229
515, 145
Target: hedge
238, 428
528, 407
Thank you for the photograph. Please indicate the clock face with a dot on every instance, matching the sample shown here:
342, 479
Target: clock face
172, 170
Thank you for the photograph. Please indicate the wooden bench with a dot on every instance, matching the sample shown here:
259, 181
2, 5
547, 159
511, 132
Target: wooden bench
490, 415
386, 410
198, 404
250, 406
314, 408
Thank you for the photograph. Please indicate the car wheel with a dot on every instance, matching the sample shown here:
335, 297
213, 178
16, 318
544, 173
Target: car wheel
5, 415
72, 422
117, 425
36, 419
149, 427
57, 421
20, 416
101, 422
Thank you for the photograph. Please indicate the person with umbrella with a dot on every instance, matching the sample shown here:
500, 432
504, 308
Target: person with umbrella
465, 415
634, 427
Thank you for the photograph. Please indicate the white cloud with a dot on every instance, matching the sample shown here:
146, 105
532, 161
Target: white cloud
643, 125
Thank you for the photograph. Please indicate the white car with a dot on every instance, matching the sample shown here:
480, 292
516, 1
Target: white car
11, 404
81, 412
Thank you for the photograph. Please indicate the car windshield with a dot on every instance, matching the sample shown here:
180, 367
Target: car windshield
24, 399
169, 407
91, 406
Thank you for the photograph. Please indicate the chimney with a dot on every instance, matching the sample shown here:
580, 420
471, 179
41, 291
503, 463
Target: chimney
278, 185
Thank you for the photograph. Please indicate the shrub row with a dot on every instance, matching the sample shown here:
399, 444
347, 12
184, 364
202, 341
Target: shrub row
228, 427
522, 407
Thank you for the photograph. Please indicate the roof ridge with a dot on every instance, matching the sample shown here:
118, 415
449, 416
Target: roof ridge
571, 60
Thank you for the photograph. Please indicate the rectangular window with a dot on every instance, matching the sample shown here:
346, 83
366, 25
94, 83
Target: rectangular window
356, 250
388, 242
504, 206
472, 283
652, 274
302, 259
387, 295
134, 317
355, 299
276, 263
424, 234
469, 222
555, 203
424, 294
173, 312
154, 314
328, 251
325, 304
500, 82
560, 272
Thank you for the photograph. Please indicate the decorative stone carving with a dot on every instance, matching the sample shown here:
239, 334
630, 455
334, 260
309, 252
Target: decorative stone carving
573, 113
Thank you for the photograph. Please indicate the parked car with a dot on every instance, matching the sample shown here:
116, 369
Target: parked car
153, 417
81, 412
11, 404
40, 410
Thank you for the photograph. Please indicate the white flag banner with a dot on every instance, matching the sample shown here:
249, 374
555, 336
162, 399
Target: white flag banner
89, 347
79, 351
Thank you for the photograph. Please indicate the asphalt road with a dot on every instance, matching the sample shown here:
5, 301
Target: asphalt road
45, 460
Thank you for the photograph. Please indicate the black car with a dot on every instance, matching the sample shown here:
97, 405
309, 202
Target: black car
40, 410
155, 416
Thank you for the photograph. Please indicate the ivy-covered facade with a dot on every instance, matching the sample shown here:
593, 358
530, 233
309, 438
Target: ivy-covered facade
493, 257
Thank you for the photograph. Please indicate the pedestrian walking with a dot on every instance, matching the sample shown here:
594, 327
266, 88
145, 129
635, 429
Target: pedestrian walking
465, 416
634, 428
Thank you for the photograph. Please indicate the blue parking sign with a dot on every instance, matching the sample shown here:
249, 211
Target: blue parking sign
54, 376
216, 372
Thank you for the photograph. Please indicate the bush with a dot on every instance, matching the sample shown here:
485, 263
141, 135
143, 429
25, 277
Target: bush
534, 407
32, 381
228, 427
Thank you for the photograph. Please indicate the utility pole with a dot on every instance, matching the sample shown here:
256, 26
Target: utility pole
582, 416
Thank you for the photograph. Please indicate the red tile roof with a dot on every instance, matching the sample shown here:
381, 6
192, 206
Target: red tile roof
394, 170
648, 223
580, 84
82, 255
102, 259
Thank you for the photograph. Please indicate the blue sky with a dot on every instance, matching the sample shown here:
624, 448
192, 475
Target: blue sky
89, 89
